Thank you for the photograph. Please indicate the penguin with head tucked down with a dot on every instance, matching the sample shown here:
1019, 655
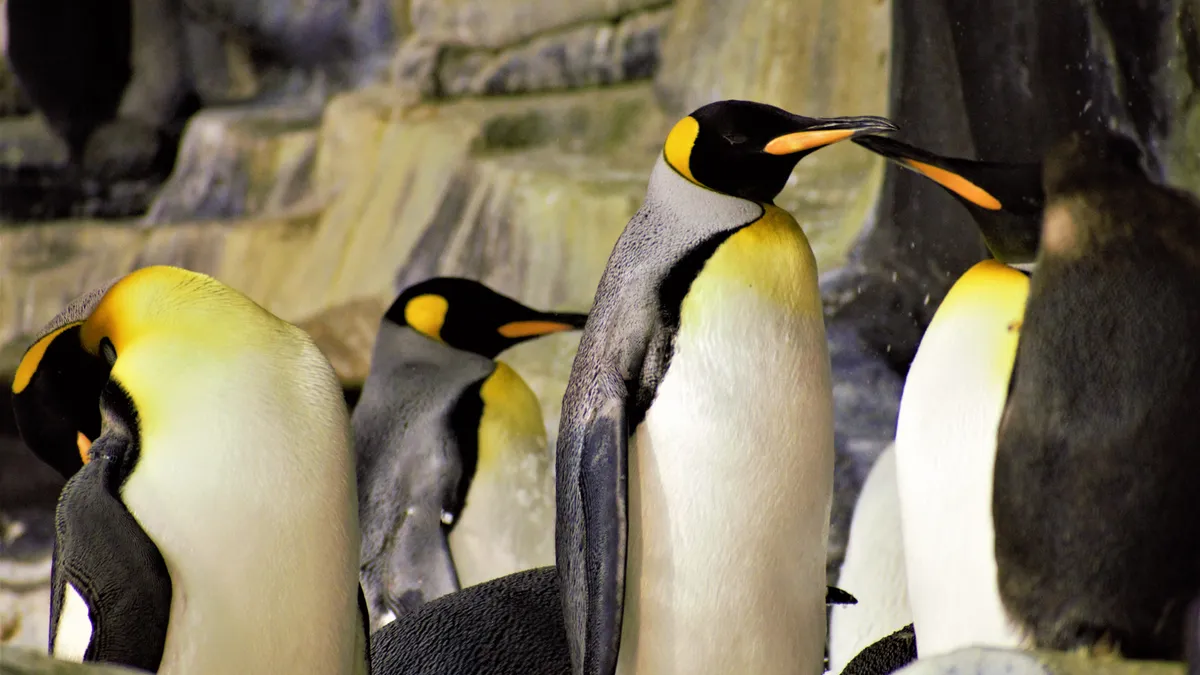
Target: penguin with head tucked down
1097, 540
456, 483
695, 451
210, 522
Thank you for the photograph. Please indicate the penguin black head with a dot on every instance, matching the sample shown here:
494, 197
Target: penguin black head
57, 386
748, 149
1004, 199
467, 315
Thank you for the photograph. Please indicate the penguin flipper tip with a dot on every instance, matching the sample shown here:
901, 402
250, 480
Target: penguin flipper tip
836, 596
602, 485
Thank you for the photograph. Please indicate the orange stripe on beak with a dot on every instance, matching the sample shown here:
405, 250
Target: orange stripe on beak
518, 329
806, 140
85, 446
958, 185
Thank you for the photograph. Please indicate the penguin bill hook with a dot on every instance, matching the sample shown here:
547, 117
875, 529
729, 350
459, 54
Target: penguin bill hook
828, 132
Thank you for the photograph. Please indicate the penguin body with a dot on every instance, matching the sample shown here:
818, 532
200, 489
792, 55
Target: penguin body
213, 526
695, 450
512, 625
455, 479
945, 450
1097, 543
873, 568
1004, 199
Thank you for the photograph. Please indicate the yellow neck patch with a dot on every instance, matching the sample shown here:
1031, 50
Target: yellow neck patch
427, 314
678, 148
958, 185
511, 416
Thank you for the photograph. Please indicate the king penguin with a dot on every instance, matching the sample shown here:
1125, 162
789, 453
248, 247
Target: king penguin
695, 449
1097, 540
1005, 199
960, 372
213, 524
456, 483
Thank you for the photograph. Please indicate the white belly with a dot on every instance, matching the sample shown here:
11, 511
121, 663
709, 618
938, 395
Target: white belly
945, 452
873, 571
74, 629
729, 493
255, 515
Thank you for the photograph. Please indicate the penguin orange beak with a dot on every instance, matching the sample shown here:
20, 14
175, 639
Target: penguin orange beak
85, 447
550, 323
827, 132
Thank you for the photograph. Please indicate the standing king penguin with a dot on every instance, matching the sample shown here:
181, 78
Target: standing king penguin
213, 525
455, 479
695, 450
1097, 540
1005, 199
953, 396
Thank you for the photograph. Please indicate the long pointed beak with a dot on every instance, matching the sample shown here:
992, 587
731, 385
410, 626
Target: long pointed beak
828, 131
925, 163
556, 322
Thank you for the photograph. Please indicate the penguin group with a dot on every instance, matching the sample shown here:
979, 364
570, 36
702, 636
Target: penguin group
225, 512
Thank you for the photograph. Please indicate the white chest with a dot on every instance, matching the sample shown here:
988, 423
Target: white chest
729, 484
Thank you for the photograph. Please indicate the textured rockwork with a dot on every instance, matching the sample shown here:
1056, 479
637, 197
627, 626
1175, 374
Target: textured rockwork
484, 23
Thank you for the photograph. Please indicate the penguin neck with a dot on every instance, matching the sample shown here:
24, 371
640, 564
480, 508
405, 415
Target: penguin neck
706, 211
507, 524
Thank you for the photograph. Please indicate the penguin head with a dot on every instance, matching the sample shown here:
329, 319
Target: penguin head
469, 316
1004, 199
748, 149
114, 339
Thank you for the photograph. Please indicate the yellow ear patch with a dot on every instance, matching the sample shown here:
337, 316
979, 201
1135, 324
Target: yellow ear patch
957, 184
33, 358
427, 313
806, 140
678, 148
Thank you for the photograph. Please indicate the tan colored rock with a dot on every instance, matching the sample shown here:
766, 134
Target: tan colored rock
346, 335
239, 161
24, 604
594, 54
482, 23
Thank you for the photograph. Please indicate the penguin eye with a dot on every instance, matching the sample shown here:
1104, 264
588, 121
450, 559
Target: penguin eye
735, 139
108, 350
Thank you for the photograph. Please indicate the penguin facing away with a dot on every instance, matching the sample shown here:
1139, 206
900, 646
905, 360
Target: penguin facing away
1097, 543
213, 526
950, 409
873, 568
1005, 199
456, 484
695, 451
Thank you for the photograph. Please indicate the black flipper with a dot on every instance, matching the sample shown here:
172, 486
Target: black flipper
106, 556
365, 620
603, 487
836, 596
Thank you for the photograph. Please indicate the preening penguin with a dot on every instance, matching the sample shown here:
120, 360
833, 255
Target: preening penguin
455, 479
1005, 199
945, 450
213, 526
695, 451
1097, 540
